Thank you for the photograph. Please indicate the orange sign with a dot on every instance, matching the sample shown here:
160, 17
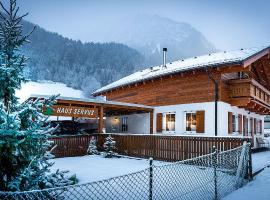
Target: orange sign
71, 111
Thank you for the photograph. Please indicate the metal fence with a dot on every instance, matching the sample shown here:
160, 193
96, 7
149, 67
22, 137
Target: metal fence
211, 176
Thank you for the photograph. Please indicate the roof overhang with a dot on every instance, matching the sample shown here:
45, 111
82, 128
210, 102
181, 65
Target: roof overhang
203, 67
248, 61
110, 107
244, 62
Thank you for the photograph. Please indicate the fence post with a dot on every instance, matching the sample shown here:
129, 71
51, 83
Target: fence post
240, 166
151, 179
215, 172
250, 175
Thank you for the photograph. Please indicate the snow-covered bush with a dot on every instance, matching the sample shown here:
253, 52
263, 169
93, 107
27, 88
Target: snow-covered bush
92, 148
24, 136
109, 147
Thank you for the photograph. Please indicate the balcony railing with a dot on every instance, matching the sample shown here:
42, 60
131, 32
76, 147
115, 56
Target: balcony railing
250, 89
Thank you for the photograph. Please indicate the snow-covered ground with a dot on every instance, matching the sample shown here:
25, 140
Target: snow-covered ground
175, 180
46, 88
96, 168
258, 189
260, 160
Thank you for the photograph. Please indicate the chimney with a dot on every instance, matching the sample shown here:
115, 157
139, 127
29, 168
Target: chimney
164, 57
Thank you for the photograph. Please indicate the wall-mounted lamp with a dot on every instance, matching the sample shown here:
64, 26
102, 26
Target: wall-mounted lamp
116, 120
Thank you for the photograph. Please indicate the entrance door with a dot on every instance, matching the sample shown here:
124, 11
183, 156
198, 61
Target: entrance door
169, 123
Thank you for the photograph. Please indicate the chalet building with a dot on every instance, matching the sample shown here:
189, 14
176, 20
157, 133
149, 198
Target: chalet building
219, 94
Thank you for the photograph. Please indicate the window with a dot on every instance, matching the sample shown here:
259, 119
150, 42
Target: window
259, 126
242, 75
245, 126
255, 126
234, 123
191, 122
251, 130
124, 124
170, 122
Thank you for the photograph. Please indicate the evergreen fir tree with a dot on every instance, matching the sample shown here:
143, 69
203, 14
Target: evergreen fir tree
92, 148
24, 140
109, 147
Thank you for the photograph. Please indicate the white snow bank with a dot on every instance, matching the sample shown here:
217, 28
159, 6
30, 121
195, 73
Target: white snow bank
46, 88
258, 189
95, 168
260, 160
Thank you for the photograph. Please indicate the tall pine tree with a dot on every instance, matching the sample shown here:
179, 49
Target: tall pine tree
12, 62
24, 141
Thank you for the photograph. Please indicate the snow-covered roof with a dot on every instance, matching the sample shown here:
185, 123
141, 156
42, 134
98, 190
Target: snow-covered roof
213, 59
98, 101
46, 88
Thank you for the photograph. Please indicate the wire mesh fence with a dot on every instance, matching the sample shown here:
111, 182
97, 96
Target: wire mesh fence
211, 176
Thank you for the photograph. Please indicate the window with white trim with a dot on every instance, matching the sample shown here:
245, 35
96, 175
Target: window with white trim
170, 121
191, 122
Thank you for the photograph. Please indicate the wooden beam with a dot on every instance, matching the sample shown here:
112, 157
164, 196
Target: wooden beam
254, 70
240, 101
232, 69
255, 57
265, 76
100, 120
261, 104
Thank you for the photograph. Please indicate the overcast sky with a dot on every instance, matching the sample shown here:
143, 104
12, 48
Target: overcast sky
228, 24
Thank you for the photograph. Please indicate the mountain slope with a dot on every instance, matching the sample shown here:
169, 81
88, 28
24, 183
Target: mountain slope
81, 66
88, 66
149, 33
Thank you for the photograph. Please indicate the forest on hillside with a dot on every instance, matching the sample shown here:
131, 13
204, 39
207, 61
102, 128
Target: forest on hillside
85, 66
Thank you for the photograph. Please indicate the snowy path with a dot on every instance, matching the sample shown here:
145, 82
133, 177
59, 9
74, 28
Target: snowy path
257, 189
260, 160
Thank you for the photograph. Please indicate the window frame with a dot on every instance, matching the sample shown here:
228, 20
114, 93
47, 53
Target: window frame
124, 124
245, 125
235, 123
165, 122
193, 113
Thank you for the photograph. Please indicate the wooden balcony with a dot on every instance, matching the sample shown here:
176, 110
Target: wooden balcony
250, 95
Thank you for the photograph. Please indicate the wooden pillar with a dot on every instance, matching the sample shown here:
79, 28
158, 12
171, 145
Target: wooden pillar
100, 120
73, 125
151, 122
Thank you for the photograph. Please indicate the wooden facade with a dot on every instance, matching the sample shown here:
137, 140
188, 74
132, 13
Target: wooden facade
171, 90
160, 147
244, 85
